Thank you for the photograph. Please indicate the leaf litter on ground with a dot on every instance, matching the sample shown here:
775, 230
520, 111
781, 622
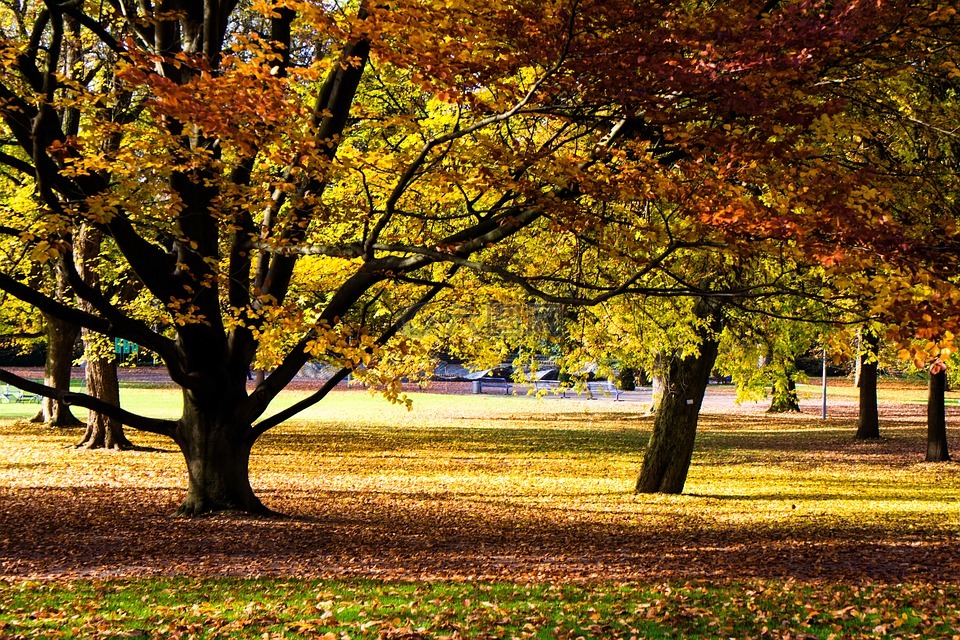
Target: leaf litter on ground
485, 492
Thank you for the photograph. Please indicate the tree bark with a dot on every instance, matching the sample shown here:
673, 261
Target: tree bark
936, 415
868, 422
216, 446
101, 372
656, 391
667, 459
61, 339
103, 432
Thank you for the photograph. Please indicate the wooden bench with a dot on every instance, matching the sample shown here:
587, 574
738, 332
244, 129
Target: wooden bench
595, 389
494, 383
546, 385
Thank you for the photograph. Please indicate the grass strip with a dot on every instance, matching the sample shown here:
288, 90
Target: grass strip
290, 608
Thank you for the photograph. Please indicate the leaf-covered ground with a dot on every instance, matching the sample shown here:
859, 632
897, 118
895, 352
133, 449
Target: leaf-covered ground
519, 491
497, 488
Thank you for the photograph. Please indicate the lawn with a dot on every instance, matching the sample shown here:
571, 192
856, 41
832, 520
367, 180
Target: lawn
481, 516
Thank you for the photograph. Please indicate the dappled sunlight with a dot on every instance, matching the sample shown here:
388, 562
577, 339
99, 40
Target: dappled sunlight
497, 488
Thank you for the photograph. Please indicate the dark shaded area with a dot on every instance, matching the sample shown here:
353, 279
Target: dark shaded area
17, 356
430, 536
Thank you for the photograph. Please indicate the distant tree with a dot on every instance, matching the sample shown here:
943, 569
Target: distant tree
936, 414
685, 376
61, 342
868, 418
103, 431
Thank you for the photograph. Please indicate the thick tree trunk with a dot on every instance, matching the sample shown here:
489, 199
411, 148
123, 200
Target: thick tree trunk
216, 447
61, 339
667, 459
936, 416
103, 432
868, 422
656, 392
784, 391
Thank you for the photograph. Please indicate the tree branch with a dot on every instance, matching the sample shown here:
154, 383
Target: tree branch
54, 308
265, 425
142, 423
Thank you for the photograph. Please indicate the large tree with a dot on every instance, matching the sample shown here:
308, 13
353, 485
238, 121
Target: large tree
295, 180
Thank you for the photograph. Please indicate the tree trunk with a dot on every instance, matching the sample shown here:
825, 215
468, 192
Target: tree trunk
868, 423
936, 415
656, 391
103, 432
61, 339
784, 391
216, 447
667, 459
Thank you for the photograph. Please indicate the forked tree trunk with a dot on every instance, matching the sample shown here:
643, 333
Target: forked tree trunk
216, 447
667, 459
784, 391
936, 415
61, 339
868, 422
103, 432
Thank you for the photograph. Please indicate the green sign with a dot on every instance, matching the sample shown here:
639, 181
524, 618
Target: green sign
125, 347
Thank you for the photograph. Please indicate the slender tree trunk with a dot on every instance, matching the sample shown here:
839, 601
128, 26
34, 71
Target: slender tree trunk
868, 423
667, 459
102, 432
216, 447
936, 415
61, 339
784, 390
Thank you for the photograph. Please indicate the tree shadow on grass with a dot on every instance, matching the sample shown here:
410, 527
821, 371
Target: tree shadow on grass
100, 531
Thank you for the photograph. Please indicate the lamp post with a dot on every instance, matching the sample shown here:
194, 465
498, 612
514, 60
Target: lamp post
823, 383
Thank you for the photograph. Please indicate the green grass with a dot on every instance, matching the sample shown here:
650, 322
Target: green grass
483, 466
288, 608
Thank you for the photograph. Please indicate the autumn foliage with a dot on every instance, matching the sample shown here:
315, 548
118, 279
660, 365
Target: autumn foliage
287, 181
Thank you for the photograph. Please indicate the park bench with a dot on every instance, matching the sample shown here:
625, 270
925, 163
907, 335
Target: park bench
13, 394
493, 383
546, 385
595, 389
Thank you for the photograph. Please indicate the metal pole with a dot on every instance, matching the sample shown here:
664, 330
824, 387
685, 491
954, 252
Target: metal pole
824, 382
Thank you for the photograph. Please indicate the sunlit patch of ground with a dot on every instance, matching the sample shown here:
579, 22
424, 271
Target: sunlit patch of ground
498, 488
